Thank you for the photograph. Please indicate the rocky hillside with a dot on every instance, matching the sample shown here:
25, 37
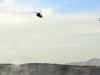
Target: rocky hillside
47, 69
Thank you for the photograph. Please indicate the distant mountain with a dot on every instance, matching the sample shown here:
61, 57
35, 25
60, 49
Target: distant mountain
91, 62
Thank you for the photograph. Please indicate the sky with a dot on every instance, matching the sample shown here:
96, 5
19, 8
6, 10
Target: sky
69, 31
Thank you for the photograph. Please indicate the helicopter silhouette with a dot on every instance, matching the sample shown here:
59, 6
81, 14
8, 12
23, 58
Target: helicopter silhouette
38, 14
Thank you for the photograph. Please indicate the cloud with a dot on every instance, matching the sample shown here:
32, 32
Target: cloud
52, 24
9, 1
13, 7
60, 45
17, 19
21, 31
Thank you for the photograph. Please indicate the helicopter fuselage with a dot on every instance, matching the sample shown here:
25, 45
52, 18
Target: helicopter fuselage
39, 15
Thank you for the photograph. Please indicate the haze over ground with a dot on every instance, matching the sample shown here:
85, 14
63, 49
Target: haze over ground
69, 32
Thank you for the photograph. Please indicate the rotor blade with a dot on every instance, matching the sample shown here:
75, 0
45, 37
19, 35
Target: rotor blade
40, 11
34, 12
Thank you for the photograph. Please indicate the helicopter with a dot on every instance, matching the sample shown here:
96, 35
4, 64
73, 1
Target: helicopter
38, 14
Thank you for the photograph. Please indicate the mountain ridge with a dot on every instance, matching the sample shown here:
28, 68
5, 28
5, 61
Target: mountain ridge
90, 62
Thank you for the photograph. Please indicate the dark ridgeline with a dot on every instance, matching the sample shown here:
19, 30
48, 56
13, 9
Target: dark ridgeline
47, 69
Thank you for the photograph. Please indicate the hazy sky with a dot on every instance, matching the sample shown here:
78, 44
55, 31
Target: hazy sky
69, 31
